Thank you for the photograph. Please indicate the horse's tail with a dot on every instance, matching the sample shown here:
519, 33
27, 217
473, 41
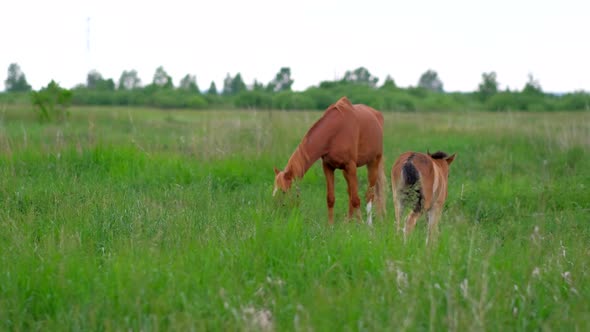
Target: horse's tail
380, 187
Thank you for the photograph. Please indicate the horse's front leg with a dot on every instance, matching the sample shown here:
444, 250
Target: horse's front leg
354, 202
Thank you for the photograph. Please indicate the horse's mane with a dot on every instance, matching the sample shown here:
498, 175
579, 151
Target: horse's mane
439, 155
342, 105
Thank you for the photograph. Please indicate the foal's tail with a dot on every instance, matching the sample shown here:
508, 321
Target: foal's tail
410, 173
413, 188
380, 187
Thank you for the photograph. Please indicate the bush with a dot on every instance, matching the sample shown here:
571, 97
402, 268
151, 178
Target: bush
289, 100
253, 99
13, 98
166, 99
385, 98
51, 102
574, 101
196, 102
437, 102
322, 98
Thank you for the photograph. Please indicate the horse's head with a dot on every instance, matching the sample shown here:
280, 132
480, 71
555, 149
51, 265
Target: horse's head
283, 181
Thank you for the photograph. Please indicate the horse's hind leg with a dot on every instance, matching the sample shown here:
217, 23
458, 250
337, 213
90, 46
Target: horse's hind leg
373, 173
354, 202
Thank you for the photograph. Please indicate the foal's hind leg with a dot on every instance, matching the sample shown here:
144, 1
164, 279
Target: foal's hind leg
411, 222
398, 206
433, 217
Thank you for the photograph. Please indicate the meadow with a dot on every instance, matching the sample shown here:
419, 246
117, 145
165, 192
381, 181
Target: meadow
142, 219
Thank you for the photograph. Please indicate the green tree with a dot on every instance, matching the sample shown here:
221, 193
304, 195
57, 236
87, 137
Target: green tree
129, 80
282, 81
233, 86
212, 89
16, 80
257, 86
488, 86
95, 81
227, 85
389, 83
430, 81
532, 86
238, 84
51, 101
162, 79
360, 76
189, 83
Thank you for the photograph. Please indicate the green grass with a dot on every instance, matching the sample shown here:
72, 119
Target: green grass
141, 219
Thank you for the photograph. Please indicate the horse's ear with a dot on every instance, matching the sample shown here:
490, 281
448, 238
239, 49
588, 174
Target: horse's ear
277, 171
428, 152
451, 158
288, 175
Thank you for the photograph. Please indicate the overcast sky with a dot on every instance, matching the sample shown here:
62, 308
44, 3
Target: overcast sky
319, 40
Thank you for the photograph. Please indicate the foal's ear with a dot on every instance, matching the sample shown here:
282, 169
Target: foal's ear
451, 158
277, 171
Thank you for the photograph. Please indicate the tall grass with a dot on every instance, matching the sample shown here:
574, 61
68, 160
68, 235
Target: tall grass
147, 220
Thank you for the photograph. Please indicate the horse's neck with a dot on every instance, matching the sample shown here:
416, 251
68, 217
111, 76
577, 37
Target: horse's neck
312, 147
301, 160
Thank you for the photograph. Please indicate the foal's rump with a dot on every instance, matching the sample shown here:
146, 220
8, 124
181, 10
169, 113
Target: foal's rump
415, 179
409, 174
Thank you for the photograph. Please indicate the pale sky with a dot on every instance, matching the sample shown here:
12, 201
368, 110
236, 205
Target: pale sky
318, 40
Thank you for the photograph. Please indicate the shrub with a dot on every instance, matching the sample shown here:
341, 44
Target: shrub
289, 100
51, 102
574, 101
253, 99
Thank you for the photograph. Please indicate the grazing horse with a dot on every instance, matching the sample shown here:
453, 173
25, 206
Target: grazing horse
420, 181
345, 137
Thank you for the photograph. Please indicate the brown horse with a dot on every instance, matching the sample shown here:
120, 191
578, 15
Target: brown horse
345, 137
420, 181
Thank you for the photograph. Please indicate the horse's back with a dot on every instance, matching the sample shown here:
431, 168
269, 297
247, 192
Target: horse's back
368, 114
355, 131
370, 121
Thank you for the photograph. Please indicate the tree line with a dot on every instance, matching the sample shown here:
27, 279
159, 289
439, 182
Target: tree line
358, 84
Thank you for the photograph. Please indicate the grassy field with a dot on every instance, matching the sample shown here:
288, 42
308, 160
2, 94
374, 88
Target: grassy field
135, 219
